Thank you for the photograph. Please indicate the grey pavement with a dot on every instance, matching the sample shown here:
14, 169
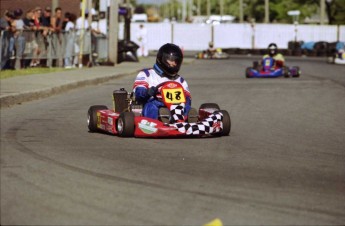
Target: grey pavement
21, 89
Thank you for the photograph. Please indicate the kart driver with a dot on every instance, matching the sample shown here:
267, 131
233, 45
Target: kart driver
341, 54
273, 52
168, 62
211, 51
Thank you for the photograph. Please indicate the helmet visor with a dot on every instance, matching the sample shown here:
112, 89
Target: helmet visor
170, 60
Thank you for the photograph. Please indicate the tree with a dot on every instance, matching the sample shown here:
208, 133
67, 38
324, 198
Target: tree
335, 9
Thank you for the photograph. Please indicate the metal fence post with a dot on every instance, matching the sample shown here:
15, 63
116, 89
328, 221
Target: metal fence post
172, 32
50, 49
212, 33
1, 35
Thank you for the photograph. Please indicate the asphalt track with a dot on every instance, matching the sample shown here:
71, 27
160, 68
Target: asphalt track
283, 163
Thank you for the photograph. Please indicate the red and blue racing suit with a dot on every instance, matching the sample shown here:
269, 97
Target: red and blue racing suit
153, 77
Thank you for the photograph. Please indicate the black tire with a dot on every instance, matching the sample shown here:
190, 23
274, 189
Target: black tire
226, 123
92, 117
209, 105
248, 72
255, 64
286, 72
298, 72
125, 124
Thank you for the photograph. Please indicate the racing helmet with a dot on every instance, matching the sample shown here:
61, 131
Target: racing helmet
210, 44
272, 49
169, 60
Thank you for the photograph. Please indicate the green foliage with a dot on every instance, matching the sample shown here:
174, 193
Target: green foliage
29, 71
255, 9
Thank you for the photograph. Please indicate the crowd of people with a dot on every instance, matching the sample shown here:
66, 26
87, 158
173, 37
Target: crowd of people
29, 39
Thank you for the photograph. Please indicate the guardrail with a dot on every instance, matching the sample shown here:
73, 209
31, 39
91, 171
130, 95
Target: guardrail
30, 48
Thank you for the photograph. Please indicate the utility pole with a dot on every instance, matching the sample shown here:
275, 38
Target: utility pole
208, 8
322, 12
241, 11
191, 5
221, 7
184, 10
267, 11
113, 30
89, 7
55, 3
82, 33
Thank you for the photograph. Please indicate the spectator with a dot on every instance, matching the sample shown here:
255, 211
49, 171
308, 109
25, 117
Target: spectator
70, 40
37, 18
6, 29
56, 20
96, 34
65, 20
40, 36
102, 23
17, 42
79, 22
28, 20
31, 45
45, 19
56, 25
83, 45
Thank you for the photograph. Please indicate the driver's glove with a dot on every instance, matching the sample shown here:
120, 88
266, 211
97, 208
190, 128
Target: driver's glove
152, 91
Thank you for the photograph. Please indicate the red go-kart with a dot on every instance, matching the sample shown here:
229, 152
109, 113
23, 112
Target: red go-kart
126, 118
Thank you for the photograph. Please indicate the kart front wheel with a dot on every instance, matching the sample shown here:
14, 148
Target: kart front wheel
125, 124
92, 116
226, 123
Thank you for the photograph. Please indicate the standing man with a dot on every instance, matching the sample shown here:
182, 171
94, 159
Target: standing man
142, 41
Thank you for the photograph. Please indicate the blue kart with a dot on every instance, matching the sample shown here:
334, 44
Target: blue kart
267, 69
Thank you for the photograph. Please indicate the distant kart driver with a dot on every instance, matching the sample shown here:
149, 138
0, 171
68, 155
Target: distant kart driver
211, 51
168, 62
273, 53
341, 54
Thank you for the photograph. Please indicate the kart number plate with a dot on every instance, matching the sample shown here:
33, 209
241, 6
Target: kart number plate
174, 96
267, 63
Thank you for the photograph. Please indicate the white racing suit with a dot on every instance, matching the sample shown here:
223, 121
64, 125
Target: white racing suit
148, 78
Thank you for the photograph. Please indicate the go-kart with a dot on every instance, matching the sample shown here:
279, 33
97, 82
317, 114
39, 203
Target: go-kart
267, 69
337, 58
208, 55
126, 119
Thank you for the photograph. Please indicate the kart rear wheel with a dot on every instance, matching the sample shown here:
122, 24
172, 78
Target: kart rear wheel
286, 72
248, 72
298, 72
226, 123
209, 105
125, 124
92, 117
256, 65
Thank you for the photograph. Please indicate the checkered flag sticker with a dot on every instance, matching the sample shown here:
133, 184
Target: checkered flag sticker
177, 112
212, 124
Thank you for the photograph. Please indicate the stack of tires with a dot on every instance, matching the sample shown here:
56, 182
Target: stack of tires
295, 48
320, 48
